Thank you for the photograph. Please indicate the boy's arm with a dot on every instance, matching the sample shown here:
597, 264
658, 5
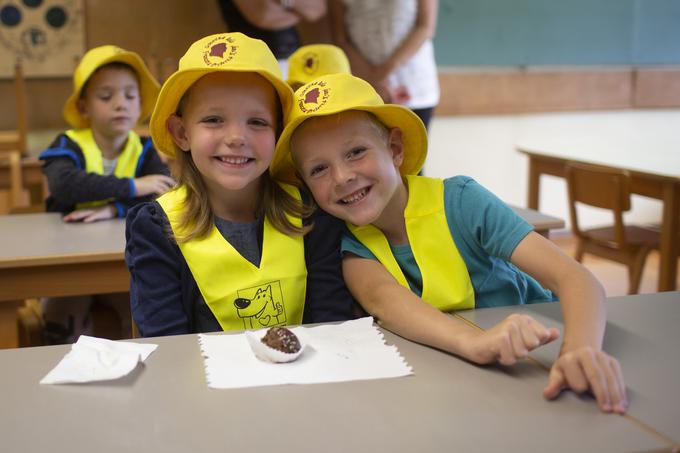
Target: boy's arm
402, 312
70, 185
582, 365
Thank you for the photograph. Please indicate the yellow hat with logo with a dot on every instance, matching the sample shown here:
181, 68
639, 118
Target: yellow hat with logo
336, 93
315, 60
222, 52
96, 58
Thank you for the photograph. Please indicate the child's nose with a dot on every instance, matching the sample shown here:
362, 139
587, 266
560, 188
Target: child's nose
119, 101
234, 136
342, 174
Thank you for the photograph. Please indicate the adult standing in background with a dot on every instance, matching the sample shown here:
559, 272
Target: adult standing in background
389, 44
272, 21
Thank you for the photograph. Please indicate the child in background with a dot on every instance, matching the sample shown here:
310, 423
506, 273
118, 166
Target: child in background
101, 167
227, 249
312, 61
422, 246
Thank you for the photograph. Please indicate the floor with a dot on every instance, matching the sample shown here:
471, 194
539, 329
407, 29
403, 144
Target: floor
613, 276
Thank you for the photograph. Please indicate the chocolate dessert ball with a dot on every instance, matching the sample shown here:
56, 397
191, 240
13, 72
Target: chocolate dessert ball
281, 339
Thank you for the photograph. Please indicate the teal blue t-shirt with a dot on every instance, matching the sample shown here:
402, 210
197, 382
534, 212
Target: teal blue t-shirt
486, 232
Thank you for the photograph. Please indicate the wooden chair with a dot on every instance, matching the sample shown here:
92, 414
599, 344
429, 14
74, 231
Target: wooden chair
16, 139
607, 188
16, 183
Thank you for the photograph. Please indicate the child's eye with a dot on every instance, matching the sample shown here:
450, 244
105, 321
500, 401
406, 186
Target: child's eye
258, 122
105, 97
356, 152
211, 120
317, 170
132, 95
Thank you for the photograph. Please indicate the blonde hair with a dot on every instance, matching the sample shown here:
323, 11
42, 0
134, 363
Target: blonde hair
274, 202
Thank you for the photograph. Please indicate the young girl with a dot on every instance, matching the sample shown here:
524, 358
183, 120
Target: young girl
227, 249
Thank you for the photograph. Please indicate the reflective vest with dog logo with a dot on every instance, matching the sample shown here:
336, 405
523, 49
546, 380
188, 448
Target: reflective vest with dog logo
126, 163
240, 294
446, 281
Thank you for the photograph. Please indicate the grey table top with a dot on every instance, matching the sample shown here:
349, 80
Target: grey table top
643, 333
165, 405
44, 238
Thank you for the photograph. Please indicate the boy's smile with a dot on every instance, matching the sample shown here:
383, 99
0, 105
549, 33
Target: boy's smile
351, 165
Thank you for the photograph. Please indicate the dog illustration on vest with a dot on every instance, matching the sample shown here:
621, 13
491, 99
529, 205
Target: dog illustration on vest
261, 310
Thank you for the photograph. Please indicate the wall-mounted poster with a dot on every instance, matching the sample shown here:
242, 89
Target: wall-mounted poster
47, 36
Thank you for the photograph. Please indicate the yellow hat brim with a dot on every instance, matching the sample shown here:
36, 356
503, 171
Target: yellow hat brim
148, 89
414, 138
178, 84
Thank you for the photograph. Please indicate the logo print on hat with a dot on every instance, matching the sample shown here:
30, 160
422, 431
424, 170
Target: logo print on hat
219, 51
311, 63
314, 96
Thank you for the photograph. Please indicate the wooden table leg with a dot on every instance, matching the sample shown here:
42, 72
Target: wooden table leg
670, 236
534, 184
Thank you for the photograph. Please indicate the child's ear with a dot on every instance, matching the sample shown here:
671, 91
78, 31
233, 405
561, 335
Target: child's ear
82, 108
396, 144
178, 133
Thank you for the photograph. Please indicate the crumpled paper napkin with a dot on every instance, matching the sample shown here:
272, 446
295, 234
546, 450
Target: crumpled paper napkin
353, 350
94, 359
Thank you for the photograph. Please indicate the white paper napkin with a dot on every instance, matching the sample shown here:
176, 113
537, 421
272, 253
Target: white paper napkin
94, 359
353, 350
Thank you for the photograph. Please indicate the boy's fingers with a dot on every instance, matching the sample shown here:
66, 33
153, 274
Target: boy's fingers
616, 369
554, 334
597, 382
616, 397
506, 355
555, 385
516, 337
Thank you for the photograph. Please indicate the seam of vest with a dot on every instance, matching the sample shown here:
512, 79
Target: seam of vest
145, 148
61, 152
120, 209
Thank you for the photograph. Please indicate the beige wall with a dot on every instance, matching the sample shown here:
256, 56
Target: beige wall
161, 31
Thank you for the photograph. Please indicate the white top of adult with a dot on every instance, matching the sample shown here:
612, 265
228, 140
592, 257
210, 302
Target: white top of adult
377, 28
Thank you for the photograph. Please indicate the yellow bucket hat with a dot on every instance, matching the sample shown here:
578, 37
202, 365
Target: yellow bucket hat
337, 93
222, 52
313, 61
96, 58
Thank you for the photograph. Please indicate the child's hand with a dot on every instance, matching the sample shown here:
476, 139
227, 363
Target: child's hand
510, 340
153, 184
92, 214
587, 368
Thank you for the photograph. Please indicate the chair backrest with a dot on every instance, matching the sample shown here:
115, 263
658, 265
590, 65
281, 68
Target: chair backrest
22, 112
601, 187
16, 184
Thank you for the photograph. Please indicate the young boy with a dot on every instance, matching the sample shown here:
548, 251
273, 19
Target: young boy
450, 242
101, 167
313, 61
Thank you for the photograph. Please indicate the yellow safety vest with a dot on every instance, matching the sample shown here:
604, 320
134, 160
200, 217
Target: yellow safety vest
240, 294
446, 282
126, 164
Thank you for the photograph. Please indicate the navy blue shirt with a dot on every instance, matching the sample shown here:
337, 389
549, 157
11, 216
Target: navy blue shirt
164, 296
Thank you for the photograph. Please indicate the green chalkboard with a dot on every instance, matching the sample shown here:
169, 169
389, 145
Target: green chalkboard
552, 32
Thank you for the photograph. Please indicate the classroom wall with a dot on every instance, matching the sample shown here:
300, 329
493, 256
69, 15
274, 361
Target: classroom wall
159, 31
558, 33
495, 56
